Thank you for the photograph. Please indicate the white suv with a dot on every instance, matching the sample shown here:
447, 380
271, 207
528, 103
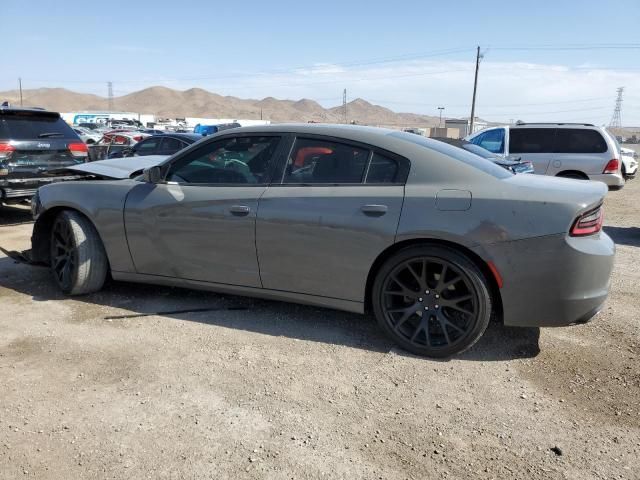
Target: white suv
571, 150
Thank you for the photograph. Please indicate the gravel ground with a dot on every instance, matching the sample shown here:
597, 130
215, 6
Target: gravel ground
149, 382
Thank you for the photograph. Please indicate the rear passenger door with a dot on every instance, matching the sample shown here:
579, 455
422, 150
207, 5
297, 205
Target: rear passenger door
534, 145
334, 207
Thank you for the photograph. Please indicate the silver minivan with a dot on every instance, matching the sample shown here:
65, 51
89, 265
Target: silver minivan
582, 151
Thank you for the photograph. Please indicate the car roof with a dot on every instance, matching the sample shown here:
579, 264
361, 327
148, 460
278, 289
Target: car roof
588, 126
360, 133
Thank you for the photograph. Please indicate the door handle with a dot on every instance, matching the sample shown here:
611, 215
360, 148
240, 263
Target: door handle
239, 210
374, 210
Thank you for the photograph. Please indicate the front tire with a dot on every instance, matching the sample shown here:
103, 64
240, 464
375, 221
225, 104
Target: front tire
78, 260
432, 301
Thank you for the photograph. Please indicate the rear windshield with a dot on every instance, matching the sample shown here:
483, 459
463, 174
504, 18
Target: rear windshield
31, 127
486, 166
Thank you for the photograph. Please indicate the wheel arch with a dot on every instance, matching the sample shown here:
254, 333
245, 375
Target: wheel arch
42, 231
565, 173
482, 265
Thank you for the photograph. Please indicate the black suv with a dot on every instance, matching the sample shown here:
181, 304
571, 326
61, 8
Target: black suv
33, 141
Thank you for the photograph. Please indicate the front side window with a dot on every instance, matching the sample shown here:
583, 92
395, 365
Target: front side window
493, 140
241, 160
531, 140
320, 161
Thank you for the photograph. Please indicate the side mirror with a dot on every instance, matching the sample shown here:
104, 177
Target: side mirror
152, 175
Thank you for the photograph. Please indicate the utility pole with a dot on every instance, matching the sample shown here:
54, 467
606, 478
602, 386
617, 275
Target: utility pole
110, 97
475, 88
20, 88
440, 122
344, 104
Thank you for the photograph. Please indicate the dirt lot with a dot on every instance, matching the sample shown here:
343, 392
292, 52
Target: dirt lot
148, 382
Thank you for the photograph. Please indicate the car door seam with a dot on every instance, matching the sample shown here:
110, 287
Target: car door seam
126, 233
255, 235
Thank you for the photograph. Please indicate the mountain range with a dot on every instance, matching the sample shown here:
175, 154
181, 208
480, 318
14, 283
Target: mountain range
196, 102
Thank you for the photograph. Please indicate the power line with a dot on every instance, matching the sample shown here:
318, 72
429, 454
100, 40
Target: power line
311, 68
493, 105
609, 46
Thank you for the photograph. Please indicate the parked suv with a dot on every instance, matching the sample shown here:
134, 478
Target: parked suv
33, 141
581, 151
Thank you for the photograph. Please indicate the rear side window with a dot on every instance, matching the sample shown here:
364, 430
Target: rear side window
578, 140
320, 161
22, 127
531, 140
382, 170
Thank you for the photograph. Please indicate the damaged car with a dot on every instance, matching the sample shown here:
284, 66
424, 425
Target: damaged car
430, 238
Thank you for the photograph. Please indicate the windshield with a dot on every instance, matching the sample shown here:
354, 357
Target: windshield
472, 159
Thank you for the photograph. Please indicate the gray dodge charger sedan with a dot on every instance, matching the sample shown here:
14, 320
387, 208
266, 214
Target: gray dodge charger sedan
432, 239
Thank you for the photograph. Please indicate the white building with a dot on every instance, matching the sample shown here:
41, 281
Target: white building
75, 118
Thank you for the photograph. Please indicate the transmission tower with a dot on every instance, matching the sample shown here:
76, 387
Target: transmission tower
110, 95
344, 105
616, 119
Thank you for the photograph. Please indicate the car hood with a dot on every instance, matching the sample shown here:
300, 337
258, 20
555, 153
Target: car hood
117, 168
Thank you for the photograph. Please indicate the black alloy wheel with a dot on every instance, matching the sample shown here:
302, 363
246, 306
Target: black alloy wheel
64, 254
434, 302
77, 257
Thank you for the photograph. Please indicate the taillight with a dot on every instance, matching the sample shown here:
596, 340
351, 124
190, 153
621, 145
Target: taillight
137, 138
613, 166
588, 223
78, 149
6, 149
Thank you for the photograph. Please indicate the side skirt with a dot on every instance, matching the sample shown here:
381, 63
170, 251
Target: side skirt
302, 298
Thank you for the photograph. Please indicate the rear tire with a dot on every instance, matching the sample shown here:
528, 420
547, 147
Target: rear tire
431, 300
78, 260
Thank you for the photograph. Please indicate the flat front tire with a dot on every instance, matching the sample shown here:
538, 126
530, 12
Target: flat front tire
431, 300
78, 260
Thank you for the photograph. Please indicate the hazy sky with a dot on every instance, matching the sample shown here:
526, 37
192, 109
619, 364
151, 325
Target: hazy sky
543, 60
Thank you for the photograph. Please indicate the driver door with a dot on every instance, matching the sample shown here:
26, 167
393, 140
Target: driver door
199, 224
